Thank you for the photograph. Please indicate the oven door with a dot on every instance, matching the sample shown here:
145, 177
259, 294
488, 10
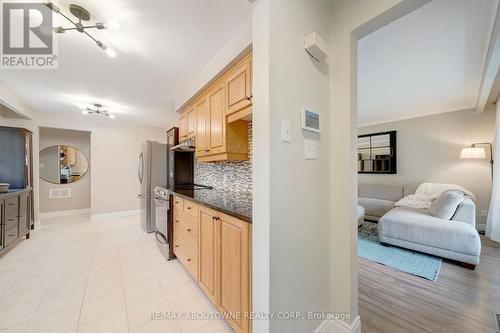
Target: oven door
161, 220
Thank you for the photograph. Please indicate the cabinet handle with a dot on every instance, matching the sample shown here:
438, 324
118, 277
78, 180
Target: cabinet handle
11, 235
176, 221
12, 219
11, 204
177, 246
249, 98
189, 259
189, 230
207, 150
189, 208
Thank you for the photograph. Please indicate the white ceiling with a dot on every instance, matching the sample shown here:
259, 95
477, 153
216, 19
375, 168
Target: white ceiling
161, 46
428, 62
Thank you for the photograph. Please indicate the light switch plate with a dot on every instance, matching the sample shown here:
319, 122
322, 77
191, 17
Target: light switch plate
310, 149
286, 136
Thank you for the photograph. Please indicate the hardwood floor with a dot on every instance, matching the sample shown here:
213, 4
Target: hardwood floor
459, 301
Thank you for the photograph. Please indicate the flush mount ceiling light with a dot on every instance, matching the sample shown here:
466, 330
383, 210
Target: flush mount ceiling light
98, 109
83, 15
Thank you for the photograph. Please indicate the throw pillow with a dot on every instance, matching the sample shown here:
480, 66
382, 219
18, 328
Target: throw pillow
446, 205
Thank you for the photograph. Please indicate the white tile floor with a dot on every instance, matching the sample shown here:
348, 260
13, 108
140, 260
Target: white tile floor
107, 275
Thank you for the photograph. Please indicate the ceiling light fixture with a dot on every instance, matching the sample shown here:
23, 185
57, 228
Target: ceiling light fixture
83, 15
98, 109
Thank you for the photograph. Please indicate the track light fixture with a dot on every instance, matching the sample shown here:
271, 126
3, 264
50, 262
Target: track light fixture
98, 109
83, 15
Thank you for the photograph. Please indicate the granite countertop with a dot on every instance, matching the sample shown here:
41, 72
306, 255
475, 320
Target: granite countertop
13, 191
236, 204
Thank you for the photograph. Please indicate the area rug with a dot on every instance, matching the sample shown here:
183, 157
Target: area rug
408, 261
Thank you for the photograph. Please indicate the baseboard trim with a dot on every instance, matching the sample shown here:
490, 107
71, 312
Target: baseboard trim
123, 213
62, 213
37, 224
338, 326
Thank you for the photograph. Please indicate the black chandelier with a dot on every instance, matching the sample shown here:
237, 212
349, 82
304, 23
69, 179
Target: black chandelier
83, 15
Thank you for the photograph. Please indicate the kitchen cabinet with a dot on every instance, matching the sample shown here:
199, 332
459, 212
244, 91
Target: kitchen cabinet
15, 218
209, 254
183, 127
186, 236
187, 124
223, 257
217, 140
239, 86
219, 116
235, 272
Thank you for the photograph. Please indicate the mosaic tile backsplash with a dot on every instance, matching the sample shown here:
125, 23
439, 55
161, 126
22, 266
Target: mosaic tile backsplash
227, 175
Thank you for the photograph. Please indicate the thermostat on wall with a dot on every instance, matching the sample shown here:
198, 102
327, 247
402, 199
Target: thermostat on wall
310, 120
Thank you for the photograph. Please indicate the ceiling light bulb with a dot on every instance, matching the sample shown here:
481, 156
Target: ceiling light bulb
85, 112
112, 25
111, 53
112, 116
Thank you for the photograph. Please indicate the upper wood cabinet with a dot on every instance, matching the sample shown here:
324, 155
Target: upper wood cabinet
239, 86
219, 116
202, 127
183, 126
187, 123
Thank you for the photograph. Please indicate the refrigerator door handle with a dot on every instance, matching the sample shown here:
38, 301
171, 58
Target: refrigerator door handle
140, 168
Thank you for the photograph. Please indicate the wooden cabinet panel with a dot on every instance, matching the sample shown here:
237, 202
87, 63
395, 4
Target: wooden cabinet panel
217, 119
202, 127
238, 86
24, 221
11, 235
183, 127
235, 272
191, 208
191, 122
209, 255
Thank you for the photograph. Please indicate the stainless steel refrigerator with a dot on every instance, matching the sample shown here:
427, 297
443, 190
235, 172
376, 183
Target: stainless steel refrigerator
152, 172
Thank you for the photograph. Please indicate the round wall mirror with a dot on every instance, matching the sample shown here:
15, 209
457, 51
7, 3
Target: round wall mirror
62, 164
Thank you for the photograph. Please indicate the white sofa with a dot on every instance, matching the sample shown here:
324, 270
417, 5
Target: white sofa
418, 230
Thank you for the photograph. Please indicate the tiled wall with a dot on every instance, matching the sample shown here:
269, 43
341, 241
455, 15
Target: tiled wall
228, 175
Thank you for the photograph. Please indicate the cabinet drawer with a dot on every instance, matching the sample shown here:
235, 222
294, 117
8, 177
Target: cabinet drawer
11, 220
188, 229
178, 203
11, 235
190, 261
11, 204
191, 208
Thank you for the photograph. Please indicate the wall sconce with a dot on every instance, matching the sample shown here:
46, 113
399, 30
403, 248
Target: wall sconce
477, 152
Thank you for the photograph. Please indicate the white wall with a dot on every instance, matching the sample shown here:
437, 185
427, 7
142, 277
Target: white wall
238, 42
428, 149
296, 215
80, 190
115, 148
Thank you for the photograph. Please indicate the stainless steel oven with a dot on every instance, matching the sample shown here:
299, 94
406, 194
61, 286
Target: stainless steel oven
162, 210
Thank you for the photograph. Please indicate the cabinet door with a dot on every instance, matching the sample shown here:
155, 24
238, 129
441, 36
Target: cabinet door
2, 223
183, 127
209, 254
235, 272
24, 221
191, 122
217, 119
239, 90
202, 127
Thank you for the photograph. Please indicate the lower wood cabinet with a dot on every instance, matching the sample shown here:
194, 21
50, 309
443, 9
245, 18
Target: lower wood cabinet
223, 258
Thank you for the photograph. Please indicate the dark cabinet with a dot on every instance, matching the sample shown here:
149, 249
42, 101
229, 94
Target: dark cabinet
15, 217
16, 164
